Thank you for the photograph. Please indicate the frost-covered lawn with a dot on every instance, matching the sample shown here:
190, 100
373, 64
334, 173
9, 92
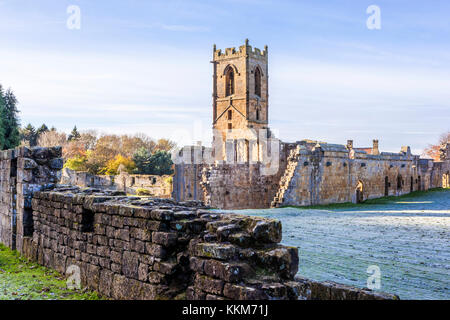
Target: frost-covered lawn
408, 238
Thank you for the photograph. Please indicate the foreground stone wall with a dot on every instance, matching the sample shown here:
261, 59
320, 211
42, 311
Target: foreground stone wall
133, 248
155, 249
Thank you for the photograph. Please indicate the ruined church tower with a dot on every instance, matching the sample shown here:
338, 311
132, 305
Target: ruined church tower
240, 90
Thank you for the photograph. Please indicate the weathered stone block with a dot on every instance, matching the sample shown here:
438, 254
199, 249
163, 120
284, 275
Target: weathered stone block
155, 250
164, 238
219, 251
130, 263
208, 284
282, 260
242, 292
230, 272
105, 284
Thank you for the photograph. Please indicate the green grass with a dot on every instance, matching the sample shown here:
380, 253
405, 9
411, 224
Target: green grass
383, 200
24, 280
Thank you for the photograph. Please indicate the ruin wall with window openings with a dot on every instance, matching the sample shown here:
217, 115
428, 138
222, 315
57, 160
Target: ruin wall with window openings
309, 173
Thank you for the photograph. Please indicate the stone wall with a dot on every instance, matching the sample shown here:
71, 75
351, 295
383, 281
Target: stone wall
227, 186
86, 180
132, 248
332, 174
310, 173
8, 183
24, 171
136, 248
153, 185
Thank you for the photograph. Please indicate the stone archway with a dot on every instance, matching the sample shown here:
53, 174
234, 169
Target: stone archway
359, 192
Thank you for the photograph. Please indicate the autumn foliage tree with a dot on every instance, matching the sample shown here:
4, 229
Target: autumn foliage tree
112, 166
432, 150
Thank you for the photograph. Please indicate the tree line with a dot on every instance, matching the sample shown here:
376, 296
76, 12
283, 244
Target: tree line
104, 154
86, 150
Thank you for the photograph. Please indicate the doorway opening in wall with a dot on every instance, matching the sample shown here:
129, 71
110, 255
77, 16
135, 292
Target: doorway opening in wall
399, 182
419, 184
28, 225
87, 221
359, 192
412, 185
386, 186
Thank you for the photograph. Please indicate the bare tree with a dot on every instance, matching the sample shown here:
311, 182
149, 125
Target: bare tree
52, 139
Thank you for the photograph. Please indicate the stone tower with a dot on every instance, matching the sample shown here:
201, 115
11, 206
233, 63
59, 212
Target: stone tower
240, 92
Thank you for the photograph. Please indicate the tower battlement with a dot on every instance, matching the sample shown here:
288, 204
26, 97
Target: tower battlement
246, 49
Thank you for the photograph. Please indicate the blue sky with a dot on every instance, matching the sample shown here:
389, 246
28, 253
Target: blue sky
143, 66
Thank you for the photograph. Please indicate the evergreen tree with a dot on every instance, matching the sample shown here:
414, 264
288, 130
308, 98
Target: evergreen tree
142, 159
74, 135
161, 163
29, 135
42, 129
2, 125
10, 120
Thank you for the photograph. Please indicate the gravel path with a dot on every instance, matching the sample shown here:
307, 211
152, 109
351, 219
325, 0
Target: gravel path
407, 239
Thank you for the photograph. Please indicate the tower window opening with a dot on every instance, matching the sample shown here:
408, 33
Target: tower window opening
230, 115
258, 82
230, 126
229, 82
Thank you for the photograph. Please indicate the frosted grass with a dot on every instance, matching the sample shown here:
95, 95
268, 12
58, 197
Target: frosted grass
408, 240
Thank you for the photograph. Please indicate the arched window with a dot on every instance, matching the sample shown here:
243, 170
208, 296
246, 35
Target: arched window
257, 114
229, 82
258, 82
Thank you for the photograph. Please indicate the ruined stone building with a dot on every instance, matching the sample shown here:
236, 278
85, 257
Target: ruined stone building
129, 247
247, 167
